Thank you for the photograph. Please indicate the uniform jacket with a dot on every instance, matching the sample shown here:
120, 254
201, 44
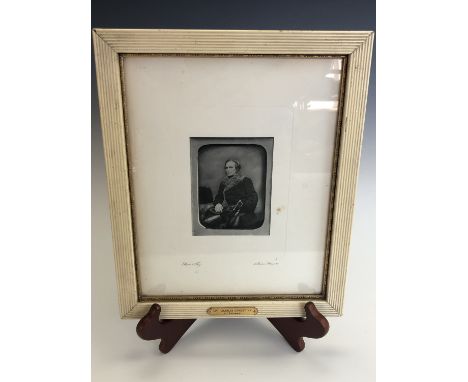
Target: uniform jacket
242, 190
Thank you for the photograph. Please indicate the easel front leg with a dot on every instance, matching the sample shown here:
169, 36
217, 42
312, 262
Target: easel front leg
150, 327
315, 325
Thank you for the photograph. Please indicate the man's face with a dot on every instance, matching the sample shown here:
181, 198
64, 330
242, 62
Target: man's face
230, 168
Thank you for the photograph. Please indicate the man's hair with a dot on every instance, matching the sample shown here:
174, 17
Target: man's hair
236, 163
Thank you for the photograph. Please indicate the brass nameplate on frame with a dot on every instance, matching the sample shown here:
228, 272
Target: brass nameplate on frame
232, 311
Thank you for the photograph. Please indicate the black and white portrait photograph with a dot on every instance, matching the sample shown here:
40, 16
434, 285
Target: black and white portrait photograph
231, 185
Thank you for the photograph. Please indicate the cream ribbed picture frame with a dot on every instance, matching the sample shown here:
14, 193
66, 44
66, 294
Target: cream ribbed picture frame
353, 46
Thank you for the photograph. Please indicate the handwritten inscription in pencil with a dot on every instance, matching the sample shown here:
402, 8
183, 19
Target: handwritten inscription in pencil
197, 264
275, 262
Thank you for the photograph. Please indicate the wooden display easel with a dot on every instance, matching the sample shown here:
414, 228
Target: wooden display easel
314, 325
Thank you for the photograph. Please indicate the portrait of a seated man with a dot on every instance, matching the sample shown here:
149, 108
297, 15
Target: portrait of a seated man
234, 205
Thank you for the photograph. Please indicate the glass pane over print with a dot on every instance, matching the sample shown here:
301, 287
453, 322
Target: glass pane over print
238, 102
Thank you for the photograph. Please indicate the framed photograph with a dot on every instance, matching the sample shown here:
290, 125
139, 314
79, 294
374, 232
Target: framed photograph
232, 159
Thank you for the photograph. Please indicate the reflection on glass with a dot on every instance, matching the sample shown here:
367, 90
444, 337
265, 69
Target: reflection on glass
336, 65
322, 105
333, 76
316, 105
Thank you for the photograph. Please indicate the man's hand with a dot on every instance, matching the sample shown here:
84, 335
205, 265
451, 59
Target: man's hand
219, 208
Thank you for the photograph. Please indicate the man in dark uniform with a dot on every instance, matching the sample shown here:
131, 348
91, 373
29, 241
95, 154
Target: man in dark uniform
235, 202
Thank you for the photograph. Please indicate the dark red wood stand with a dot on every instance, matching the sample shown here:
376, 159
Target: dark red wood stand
314, 325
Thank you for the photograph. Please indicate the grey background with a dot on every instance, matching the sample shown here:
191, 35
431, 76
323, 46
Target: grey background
237, 348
